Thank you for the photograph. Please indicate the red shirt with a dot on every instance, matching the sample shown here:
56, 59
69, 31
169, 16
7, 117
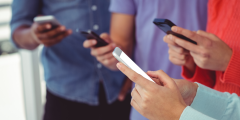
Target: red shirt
223, 21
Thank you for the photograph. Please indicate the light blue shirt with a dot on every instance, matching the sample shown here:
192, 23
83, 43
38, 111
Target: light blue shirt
151, 53
212, 105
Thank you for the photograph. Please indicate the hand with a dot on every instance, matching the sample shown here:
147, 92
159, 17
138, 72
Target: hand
179, 56
152, 100
44, 34
103, 54
127, 86
210, 52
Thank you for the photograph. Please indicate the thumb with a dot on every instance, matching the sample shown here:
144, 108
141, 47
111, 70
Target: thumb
106, 37
163, 77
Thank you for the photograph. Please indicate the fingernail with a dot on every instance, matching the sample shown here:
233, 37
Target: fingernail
48, 26
113, 45
169, 37
174, 29
62, 28
119, 65
94, 42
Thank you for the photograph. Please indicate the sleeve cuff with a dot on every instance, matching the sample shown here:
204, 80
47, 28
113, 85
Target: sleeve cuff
191, 114
231, 74
14, 26
202, 76
210, 102
123, 6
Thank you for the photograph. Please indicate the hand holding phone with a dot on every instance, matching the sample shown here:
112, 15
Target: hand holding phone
92, 35
102, 51
166, 25
48, 31
122, 57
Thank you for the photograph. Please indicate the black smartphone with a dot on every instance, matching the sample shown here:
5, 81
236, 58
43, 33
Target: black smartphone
166, 25
91, 35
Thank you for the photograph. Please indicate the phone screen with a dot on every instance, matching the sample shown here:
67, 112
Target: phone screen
134, 66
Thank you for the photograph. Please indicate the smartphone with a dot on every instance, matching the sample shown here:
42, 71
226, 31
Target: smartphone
123, 58
91, 35
166, 25
47, 19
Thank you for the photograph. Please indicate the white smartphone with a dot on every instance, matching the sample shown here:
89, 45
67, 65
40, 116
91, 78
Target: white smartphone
123, 58
47, 19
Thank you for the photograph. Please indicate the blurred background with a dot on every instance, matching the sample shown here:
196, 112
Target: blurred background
19, 100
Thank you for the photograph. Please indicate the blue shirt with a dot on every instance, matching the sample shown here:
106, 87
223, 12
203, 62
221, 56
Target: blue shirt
210, 104
70, 71
151, 53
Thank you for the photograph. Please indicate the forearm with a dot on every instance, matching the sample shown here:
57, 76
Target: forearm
123, 31
221, 106
23, 38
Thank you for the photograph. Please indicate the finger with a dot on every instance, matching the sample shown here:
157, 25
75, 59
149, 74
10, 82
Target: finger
105, 56
52, 33
177, 61
169, 41
180, 56
207, 35
157, 81
135, 77
103, 50
185, 44
135, 94
165, 79
139, 89
110, 61
43, 28
50, 42
135, 106
89, 43
178, 49
189, 34
106, 37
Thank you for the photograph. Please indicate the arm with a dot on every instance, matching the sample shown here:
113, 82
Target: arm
206, 77
121, 34
122, 31
28, 35
207, 104
231, 74
221, 106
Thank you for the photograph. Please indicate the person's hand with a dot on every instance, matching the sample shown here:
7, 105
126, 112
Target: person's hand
179, 56
152, 100
44, 34
187, 89
210, 52
127, 86
103, 54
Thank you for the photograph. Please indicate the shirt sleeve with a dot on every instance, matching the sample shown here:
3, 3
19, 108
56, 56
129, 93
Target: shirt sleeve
191, 114
206, 77
23, 12
231, 75
123, 6
220, 106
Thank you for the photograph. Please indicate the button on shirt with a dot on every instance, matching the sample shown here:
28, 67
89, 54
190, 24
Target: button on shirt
70, 71
151, 53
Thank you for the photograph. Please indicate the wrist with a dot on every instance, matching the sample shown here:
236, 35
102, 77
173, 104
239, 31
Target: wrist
228, 59
193, 95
